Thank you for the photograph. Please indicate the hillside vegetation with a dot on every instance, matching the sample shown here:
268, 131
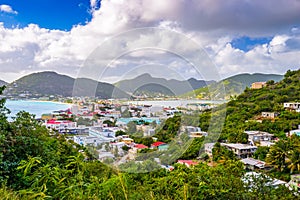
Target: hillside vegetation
51, 83
233, 86
151, 86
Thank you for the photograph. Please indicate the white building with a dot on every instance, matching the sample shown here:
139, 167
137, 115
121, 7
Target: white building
208, 147
258, 136
292, 106
88, 140
240, 150
60, 125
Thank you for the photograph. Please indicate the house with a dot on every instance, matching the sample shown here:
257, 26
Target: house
167, 167
88, 140
269, 115
157, 144
163, 147
294, 183
198, 134
253, 177
240, 150
103, 131
292, 132
149, 132
127, 141
258, 85
251, 164
208, 147
105, 155
60, 125
190, 129
140, 146
292, 106
258, 136
188, 163
198, 106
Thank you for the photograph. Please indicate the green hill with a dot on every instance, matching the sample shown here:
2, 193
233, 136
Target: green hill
242, 112
51, 83
233, 86
146, 84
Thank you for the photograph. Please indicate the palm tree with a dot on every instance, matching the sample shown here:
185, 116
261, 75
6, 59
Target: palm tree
278, 154
294, 160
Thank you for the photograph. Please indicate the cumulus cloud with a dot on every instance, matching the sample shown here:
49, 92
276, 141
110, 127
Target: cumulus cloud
212, 24
7, 9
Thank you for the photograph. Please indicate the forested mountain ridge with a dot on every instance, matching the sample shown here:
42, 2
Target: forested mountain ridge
146, 84
51, 83
233, 85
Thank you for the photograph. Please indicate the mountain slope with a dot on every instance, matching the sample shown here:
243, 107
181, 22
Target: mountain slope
234, 85
243, 111
51, 83
145, 83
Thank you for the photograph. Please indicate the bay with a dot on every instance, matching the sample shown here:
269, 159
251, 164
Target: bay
35, 107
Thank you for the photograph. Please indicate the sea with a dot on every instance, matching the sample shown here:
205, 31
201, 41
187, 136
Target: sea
34, 107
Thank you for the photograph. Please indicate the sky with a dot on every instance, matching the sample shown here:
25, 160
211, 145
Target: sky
111, 40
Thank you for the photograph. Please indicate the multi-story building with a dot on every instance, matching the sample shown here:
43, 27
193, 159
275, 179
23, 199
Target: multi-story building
240, 150
258, 136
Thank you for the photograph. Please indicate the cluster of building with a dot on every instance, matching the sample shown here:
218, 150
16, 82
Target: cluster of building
109, 120
121, 148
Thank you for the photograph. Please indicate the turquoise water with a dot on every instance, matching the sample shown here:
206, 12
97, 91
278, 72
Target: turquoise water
34, 107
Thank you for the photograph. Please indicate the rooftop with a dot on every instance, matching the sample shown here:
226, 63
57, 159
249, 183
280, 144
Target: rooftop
156, 144
239, 146
258, 133
254, 162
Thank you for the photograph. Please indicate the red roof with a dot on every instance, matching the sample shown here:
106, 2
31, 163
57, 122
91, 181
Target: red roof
140, 146
187, 162
156, 144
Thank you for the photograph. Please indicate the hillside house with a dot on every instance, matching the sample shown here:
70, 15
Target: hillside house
258, 85
240, 150
251, 164
292, 106
292, 132
269, 115
208, 147
258, 136
187, 163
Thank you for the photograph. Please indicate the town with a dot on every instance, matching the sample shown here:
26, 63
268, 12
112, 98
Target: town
117, 133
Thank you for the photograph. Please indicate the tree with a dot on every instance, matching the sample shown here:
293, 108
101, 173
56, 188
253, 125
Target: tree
278, 154
131, 127
261, 153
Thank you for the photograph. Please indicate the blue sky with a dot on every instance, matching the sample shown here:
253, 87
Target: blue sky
239, 36
246, 43
51, 14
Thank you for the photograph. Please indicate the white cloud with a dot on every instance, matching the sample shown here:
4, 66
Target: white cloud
7, 9
210, 23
